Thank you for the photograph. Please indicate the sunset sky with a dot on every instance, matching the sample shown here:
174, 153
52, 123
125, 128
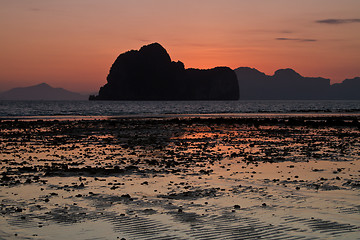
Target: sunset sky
72, 43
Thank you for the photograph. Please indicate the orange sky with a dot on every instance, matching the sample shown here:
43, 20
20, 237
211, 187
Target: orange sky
72, 43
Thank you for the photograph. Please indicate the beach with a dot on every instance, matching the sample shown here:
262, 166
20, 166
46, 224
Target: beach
282, 177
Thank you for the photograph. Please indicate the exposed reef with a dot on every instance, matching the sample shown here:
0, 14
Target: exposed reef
274, 177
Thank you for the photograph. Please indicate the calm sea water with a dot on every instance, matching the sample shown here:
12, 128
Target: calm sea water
58, 109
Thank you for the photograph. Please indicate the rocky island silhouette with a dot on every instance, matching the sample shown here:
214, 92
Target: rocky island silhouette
149, 74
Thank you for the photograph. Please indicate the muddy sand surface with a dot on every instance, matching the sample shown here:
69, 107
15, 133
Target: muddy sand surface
189, 178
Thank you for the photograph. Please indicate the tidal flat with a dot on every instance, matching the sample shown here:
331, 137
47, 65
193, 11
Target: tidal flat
181, 178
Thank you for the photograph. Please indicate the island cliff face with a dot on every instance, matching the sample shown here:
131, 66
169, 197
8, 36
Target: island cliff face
149, 74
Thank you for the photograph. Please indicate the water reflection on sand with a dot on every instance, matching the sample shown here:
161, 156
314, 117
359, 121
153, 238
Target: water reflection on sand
180, 178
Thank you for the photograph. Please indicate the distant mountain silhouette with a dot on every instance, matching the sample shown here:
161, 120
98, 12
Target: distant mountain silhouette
288, 84
40, 92
348, 89
149, 74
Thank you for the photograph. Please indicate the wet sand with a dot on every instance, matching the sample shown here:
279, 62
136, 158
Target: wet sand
181, 178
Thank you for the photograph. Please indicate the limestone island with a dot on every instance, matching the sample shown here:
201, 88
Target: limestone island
149, 74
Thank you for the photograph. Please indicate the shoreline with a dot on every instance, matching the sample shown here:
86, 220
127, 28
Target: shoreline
186, 116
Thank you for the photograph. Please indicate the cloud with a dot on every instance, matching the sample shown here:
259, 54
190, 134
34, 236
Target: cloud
338, 21
296, 39
286, 31
261, 31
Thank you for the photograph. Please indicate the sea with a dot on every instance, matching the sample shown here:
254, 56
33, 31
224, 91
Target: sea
106, 109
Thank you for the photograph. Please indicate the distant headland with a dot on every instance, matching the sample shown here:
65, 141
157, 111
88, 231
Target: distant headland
286, 84
41, 91
149, 74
